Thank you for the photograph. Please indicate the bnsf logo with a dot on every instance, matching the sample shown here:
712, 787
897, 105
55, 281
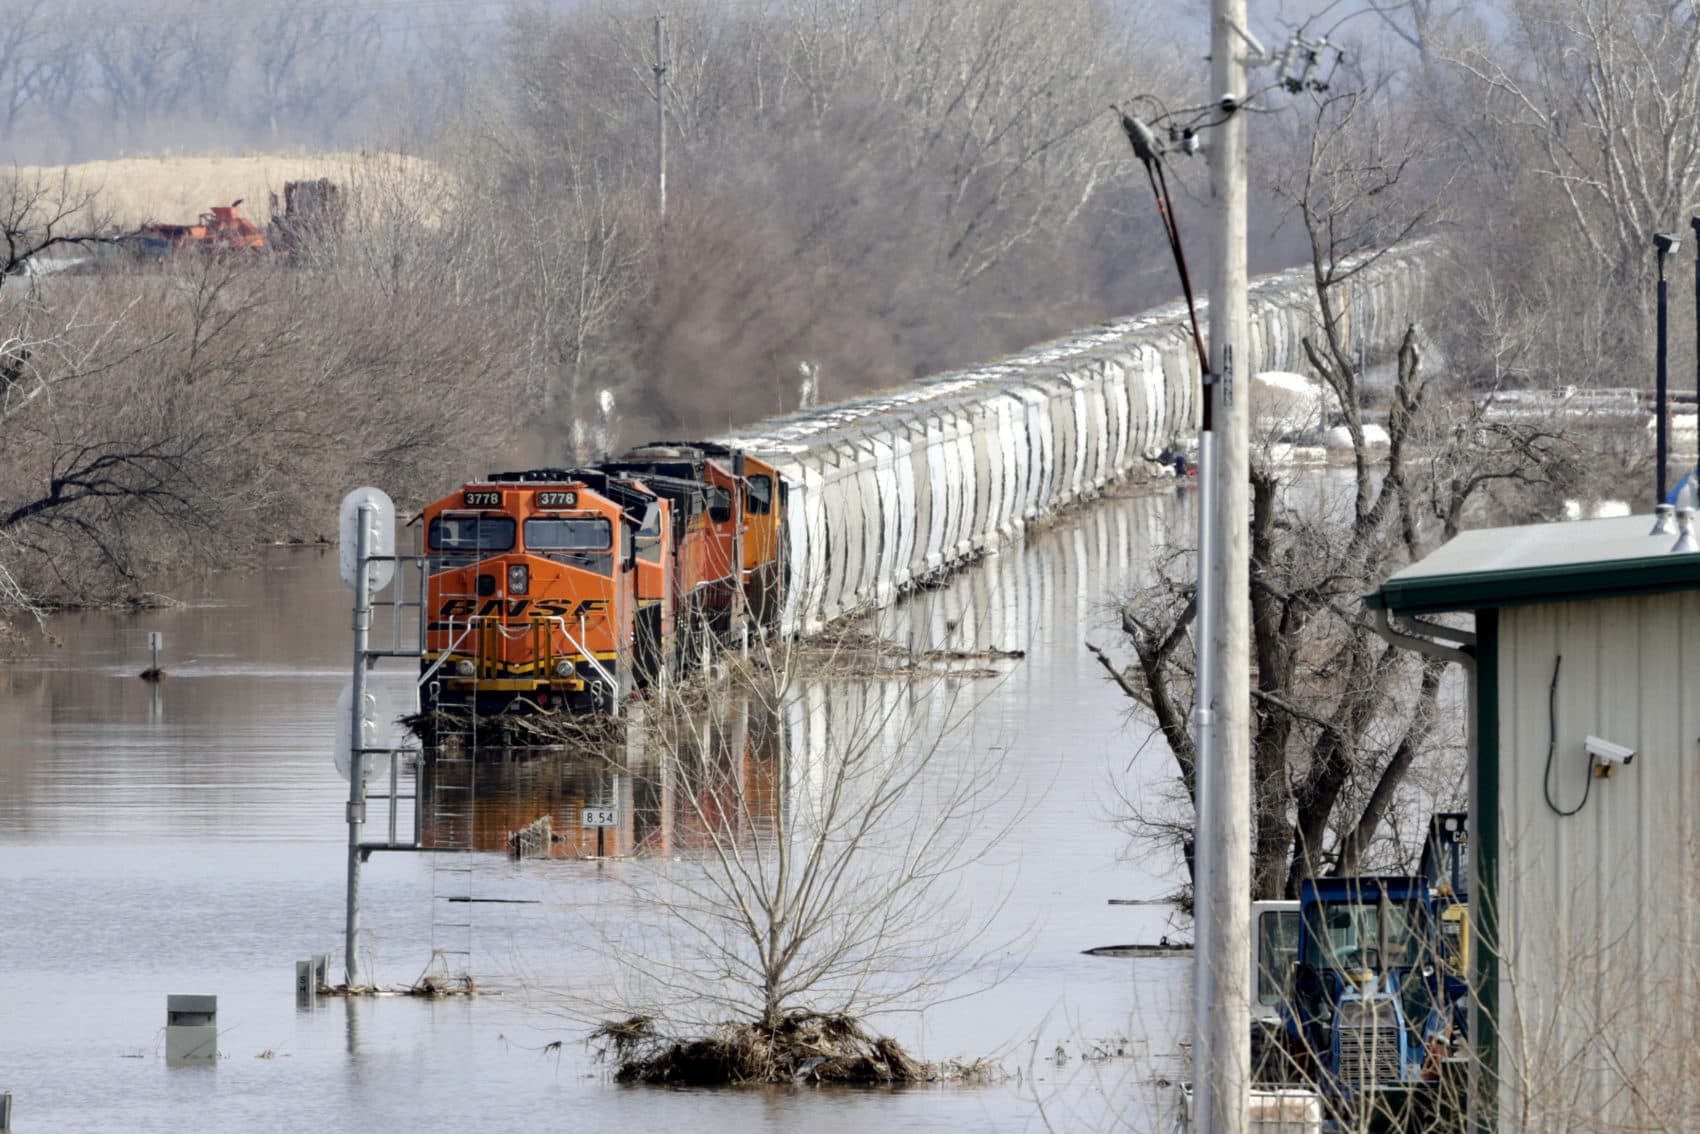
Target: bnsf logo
517, 608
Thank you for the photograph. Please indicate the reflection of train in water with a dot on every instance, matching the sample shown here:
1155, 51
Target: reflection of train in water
568, 588
684, 790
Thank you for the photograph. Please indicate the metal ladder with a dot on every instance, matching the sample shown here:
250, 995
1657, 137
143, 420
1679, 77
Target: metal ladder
453, 808
452, 804
388, 790
444, 792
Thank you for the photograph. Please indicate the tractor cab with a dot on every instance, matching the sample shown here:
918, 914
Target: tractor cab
1367, 994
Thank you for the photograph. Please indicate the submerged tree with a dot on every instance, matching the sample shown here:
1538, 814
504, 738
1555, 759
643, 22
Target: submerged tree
814, 875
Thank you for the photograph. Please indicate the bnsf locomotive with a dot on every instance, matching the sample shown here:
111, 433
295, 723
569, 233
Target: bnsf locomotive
566, 589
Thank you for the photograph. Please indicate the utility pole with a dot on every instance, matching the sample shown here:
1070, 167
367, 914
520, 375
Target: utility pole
1666, 243
1221, 1046
660, 115
1694, 475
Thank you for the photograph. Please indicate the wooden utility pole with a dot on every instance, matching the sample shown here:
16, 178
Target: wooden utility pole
1221, 1049
660, 115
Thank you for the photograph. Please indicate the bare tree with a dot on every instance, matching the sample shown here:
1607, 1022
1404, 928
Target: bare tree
41, 213
160, 416
26, 58
1340, 716
146, 64
1607, 95
886, 189
576, 259
310, 66
815, 886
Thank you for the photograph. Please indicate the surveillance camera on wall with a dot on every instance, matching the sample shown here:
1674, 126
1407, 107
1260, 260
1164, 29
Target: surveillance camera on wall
1607, 755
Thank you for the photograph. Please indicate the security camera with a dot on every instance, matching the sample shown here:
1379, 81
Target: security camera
1606, 754
1666, 242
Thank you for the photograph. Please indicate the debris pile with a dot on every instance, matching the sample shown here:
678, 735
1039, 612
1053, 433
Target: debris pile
803, 1048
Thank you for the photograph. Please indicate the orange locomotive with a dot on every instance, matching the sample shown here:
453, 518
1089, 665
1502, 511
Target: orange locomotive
756, 497
533, 590
566, 589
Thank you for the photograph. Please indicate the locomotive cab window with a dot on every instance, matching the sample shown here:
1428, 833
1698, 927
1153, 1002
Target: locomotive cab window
585, 542
760, 495
649, 536
719, 505
567, 533
472, 533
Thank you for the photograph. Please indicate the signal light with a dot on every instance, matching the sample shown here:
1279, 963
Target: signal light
519, 578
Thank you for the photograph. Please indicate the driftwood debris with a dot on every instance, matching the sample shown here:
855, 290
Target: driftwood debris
802, 1048
532, 840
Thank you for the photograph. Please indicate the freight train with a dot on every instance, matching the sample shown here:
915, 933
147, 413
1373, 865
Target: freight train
831, 510
569, 589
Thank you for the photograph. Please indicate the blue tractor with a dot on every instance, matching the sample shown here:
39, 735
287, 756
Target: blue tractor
1369, 1013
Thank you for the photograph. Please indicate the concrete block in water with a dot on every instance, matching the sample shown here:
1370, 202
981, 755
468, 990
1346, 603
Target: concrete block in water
191, 1029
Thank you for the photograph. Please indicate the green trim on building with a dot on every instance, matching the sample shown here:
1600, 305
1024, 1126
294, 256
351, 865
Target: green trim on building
1483, 572
1486, 856
1520, 586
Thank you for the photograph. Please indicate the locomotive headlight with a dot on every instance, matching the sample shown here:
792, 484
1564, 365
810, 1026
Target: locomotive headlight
464, 668
563, 668
519, 578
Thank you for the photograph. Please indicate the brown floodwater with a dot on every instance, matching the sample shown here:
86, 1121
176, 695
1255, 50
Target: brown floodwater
187, 837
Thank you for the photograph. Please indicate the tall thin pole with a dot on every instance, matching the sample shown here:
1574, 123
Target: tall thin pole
1694, 481
1662, 394
660, 115
357, 739
1222, 862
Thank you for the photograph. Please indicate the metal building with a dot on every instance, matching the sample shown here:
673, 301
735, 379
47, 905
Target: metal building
1584, 776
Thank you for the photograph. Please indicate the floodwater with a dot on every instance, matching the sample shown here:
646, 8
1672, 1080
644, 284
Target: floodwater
189, 838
